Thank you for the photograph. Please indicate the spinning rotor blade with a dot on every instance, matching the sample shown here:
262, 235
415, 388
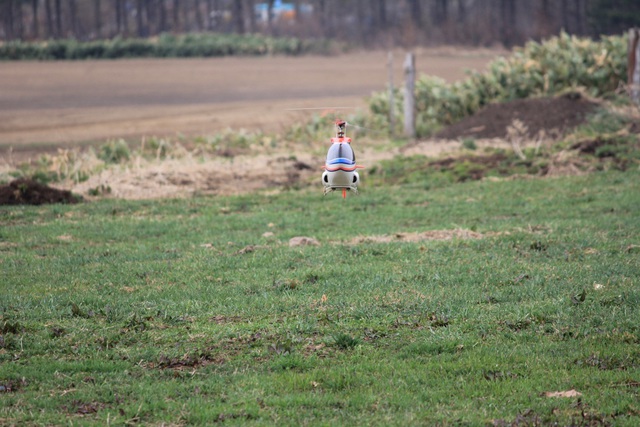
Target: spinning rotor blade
320, 108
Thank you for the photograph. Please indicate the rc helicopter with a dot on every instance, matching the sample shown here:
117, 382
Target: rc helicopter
340, 168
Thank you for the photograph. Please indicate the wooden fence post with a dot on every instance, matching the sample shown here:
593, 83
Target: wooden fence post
392, 115
633, 66
409, 96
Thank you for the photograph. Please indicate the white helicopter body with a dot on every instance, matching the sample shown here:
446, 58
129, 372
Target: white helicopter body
340, 167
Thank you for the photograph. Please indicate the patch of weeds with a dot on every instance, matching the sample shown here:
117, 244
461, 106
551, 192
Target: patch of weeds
84, 408
76, 311
518, 279
603, 121
56, 331
611, 363
579, 298
9, 327
461, 168
114, 151
291, 362
285, 284
137, 323
9, 342
281, 347
311, 279
190, 360
518, 325
526, 419
371, 334
344, 341
155, 147
539, 246
222, 417
469, 144
612, 301
219, 319
100, 190
607, 139
106, 342
491, 375
438, 321
619, 150
433, 348
11, 386
231, 143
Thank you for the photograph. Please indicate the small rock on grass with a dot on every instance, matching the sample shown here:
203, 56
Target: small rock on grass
303, 241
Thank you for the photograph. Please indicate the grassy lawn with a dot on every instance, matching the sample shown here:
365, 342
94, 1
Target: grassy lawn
183, 312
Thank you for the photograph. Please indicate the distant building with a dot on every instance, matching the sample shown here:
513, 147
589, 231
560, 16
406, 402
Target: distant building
280, 11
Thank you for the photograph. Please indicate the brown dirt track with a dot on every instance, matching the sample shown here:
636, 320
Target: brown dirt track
47, 104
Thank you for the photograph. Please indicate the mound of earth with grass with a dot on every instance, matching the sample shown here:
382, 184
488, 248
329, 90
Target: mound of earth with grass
29, 192
556, 114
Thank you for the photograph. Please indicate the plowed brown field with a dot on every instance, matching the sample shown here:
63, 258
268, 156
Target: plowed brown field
48, 104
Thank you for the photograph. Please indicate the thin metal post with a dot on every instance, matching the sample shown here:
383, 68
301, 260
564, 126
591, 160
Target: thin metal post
633, 68
409, 96
392, 102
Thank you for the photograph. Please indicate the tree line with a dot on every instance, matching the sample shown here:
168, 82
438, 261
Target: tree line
364, 22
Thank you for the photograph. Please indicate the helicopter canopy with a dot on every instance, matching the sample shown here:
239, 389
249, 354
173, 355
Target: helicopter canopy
341, 153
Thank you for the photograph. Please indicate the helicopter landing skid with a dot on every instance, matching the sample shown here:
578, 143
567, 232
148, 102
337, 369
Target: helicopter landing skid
328, 189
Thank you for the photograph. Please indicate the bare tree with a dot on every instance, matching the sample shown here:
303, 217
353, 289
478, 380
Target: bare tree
199, 22
118, 16
142, 32
238, 17
35, 29
162, 18
580, 10
508, 18
123, 18
19, 20
441, 12
415, 9
49, 14
97, 17
73, 18
544, 18
58, 15
380, 7
270, 16
252, 16
8, 19
176, 15
564, 5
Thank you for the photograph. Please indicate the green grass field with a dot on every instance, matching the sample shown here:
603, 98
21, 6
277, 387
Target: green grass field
183, 312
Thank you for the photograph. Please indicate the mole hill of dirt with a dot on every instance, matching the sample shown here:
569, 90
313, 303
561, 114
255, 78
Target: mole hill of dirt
27, 192
560, 113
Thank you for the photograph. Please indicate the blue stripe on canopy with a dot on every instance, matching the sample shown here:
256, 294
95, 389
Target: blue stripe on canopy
341, 161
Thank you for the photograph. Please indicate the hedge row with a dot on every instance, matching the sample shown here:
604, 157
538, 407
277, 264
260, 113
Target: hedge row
164, 46
537, 69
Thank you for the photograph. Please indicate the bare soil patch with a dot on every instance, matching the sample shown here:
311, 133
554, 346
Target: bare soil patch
188, 176
28, 192
418, 237
558, 114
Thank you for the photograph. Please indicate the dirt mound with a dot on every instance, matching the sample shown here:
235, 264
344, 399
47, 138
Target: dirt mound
28, 192
418, 237
560, 113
